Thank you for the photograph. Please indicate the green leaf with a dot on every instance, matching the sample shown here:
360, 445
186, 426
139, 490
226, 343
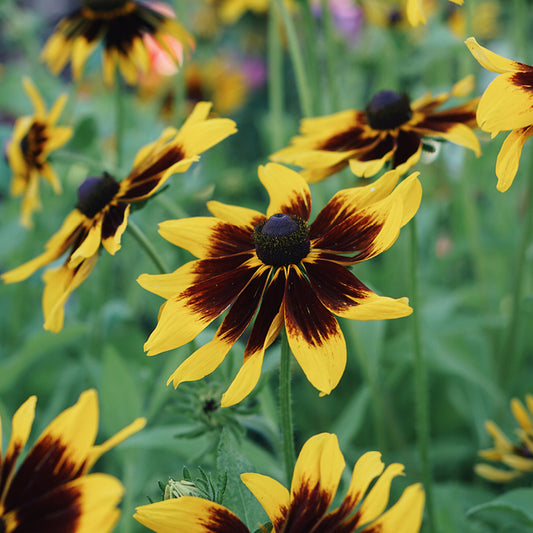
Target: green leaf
237, 497
516, 503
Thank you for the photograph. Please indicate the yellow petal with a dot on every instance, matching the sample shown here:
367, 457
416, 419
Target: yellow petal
496, 475
492, 61
366, 469
521, 415
509, 157
415, 14
35, 97
238, 216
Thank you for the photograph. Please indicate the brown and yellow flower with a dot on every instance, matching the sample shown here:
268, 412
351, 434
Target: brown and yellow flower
101, 214
282, 271
121, 25
34, 138
52, 490
517, 459
305, 508
389, 130
505, 105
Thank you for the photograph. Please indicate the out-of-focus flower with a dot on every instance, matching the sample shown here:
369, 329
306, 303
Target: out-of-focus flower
275, 271
315, 481
52, 490
517, 459
415, 11
485, 24
101, 214
505, 105
34, 137
122, 26
347, 16
390, 129
230, 11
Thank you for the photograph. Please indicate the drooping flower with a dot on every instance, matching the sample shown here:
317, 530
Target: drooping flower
101, 214
390, 129
34, 138
415, 11
121, 26
305, 508
516, 459
505, 105
52, 490
282, 271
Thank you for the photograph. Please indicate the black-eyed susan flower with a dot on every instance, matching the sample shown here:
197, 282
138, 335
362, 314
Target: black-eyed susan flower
415, 11
51, 490
516, 459
121, 26
282, 271
101, 214
34, 138
230, 11
505, 106
389, 130
315, 481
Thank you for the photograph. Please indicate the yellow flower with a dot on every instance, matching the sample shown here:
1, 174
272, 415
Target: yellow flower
518, 458
276, 270
34, 137
390, 129
121, 26
101, 214
505, 105
315, 481
415, 11
52, 490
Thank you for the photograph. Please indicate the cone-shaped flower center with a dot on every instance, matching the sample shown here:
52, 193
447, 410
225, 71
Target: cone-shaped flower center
388, 110
96, 193
281, 240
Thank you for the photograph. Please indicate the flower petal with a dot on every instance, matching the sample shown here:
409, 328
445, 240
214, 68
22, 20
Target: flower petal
492, 61
288, 191
271, 494
238, 216
113, 226
496, 475
314, 335
370, 162
509, 157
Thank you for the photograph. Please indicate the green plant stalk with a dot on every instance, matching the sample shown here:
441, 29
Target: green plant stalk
146, 245
511, 356
331, 56
311, 53
302, 83
285, 401
119, 122
275, 81
421, 382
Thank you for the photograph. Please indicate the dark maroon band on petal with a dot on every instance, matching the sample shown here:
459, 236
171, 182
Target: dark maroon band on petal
407, 144
221, 520
308, 506
228, 239
383, 147
351, 139
113, 219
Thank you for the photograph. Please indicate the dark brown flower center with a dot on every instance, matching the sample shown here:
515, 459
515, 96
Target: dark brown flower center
32, 144
104, 5
95, 193
388, 110
282, 240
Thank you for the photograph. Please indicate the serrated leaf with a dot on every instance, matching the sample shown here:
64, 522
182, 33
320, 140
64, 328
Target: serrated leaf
237, 497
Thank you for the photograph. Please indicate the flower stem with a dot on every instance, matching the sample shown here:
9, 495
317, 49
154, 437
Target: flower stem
331, 56
119, 123
287, 429
421, 381
275, 81
511, 355
146, 245
302, 83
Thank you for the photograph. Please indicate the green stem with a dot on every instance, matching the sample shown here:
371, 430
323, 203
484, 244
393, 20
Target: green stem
311, 49
146, 245
173, 208
421, 381
511, 356
287, 430
331, 56
275, 80
119, 122
302, 83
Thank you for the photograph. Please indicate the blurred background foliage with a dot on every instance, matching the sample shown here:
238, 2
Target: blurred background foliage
468, 243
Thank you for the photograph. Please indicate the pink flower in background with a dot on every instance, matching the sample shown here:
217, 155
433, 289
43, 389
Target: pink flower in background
347, 17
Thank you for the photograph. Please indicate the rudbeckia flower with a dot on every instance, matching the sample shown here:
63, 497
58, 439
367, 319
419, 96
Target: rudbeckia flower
121, 25
505, 105
517, 459
315, 481
282, 271
390, 129
101, 214
52, 490
34, 137
415, 11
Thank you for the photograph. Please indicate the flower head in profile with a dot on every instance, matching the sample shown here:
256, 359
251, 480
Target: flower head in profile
515, 459
415, 11
121, 26
505, 106
101, 214
391, 129
51, 490
34, 138
282, 271
315, 481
